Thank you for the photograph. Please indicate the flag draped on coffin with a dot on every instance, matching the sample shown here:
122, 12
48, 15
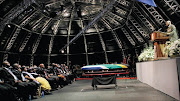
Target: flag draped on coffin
103, 66
149, 2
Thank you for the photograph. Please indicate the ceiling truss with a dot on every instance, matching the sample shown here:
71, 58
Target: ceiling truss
136, 34
139, 28
173, 5
13, 13
155, 14
128, 36
143, 19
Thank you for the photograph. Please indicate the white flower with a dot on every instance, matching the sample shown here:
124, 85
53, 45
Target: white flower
147, 53
172, 48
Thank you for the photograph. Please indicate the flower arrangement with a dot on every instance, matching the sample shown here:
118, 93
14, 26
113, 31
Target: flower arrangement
172, 48
147, 54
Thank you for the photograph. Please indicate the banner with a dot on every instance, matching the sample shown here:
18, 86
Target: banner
149, 2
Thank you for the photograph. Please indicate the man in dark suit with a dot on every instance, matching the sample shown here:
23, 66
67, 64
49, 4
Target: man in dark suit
7, 91
7, 75
16, 71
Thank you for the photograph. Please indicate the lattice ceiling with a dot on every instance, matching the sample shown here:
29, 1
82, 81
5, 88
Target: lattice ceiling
42, 27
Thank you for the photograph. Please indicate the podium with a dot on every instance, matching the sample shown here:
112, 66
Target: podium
159, 39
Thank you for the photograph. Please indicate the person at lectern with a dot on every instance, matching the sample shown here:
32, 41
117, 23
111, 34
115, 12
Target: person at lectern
172, 34
171, 31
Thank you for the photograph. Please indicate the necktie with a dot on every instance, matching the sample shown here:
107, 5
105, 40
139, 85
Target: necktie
15, 78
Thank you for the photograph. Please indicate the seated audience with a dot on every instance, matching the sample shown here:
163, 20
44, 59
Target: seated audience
53, 81
23, 88
22, 82
32, 82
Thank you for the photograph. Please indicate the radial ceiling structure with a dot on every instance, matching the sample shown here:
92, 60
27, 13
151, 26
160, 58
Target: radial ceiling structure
34, 31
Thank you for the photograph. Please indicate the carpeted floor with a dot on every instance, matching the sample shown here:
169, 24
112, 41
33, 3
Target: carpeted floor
128, 90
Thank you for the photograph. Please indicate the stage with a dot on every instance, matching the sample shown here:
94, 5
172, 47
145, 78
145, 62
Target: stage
162, 75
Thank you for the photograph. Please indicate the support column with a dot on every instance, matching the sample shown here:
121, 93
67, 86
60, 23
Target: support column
102, 43
5, 57
69, 32
32, 60
85, 43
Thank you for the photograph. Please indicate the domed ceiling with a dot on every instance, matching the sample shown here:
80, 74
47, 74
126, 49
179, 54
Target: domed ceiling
99, 31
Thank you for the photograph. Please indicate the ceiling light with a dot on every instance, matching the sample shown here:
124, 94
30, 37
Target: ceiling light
66, 14
62, 51
83, 13
9, 26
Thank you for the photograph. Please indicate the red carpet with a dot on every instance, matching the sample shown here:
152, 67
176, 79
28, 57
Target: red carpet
116, 78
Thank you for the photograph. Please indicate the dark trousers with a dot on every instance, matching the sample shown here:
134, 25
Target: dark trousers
52, 82
25, 89
7, 92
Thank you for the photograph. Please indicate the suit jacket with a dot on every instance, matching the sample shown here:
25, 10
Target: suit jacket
17, 73
6, 76
42, 72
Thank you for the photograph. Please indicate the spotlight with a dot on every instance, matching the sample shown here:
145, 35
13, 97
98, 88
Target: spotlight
9, 26
66, 14
62, 51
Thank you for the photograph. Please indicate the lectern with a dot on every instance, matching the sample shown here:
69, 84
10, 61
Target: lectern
159, 39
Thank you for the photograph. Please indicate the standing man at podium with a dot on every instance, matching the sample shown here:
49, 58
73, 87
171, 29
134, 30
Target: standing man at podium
160, 40
171, 31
